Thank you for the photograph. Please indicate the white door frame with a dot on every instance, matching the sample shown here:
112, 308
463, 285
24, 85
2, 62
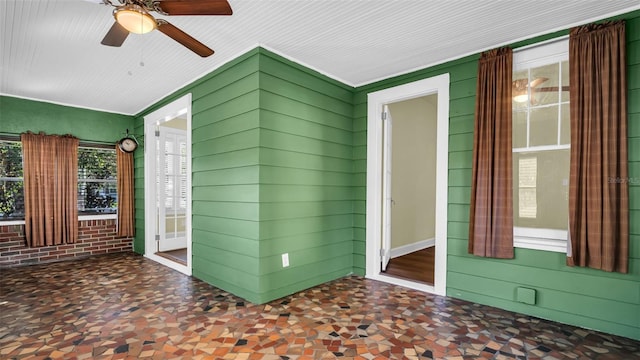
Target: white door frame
376, 102
179, 107
387, 201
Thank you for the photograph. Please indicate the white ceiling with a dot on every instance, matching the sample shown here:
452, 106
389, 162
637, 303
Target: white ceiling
51, 51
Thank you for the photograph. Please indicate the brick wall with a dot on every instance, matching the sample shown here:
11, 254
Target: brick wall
94, 237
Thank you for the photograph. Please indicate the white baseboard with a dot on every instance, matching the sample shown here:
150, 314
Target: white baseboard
409, 248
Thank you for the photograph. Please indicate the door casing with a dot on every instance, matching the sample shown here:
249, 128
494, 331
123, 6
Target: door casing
387, 204
375, 149
179, 107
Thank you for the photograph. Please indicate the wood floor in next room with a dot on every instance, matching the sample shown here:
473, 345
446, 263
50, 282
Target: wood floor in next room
416, 266
124, 306
178, 255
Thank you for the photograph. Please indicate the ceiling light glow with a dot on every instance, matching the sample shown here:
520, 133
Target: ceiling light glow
521, 98
135, 19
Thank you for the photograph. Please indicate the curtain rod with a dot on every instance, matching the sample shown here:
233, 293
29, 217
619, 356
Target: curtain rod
9, 137
541, 43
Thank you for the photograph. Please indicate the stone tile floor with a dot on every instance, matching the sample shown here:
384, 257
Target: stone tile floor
124, 306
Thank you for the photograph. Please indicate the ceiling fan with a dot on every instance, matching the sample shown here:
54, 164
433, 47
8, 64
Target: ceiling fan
133, 16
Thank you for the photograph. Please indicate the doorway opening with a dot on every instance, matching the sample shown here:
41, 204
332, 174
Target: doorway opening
168, 185
407, 168
409, 136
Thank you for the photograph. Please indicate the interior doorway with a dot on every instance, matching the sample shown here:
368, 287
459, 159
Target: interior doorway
407, 167
168, 185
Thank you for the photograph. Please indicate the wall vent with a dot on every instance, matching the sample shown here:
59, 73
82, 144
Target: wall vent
525, 295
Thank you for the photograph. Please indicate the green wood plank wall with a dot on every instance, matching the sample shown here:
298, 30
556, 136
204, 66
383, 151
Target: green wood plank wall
138, 187
589, 298
271, 175
19, 115
225, 178
225, 154
305, 177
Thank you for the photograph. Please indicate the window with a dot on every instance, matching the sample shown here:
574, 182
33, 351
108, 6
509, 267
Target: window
97, 192
11, 185
541, 147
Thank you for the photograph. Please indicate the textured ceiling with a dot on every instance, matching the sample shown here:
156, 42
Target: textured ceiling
50, 49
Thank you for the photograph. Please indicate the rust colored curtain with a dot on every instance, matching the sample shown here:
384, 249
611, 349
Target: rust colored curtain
50, 188
598, 182
124, 168
491, 215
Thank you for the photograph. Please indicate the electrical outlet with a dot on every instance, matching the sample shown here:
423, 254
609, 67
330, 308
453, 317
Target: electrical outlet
285, 259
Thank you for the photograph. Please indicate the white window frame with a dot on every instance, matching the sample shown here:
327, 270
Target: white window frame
530, 57
11, 222
98, 216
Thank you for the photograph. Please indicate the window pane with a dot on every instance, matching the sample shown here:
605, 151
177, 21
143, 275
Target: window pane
543, 127
520, 90
527, 206
11, 185
97, 197
10, 159
541, 189
11, 200
541, 137
96, 163
544, 82
565, 127
565, 81
97, 189
527, 178
519, 130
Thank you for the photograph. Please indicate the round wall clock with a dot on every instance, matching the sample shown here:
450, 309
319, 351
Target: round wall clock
127, 144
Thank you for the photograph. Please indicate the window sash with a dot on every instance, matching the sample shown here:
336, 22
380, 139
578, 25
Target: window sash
526, 59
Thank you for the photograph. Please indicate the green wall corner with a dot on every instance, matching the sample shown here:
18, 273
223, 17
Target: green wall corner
271, 147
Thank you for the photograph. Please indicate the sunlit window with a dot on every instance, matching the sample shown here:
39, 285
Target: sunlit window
11, 181
541, 142
97, 184
97, 192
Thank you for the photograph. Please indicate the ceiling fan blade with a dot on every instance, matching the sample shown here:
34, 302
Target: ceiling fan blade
194, 7
115, 36
537, 81
184, 38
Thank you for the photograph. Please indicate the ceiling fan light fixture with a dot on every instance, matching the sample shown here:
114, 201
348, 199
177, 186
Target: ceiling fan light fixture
135, 19
521, 98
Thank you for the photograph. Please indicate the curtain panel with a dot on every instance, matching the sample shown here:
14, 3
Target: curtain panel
491, 213
598, 182
50, 168
124, 168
